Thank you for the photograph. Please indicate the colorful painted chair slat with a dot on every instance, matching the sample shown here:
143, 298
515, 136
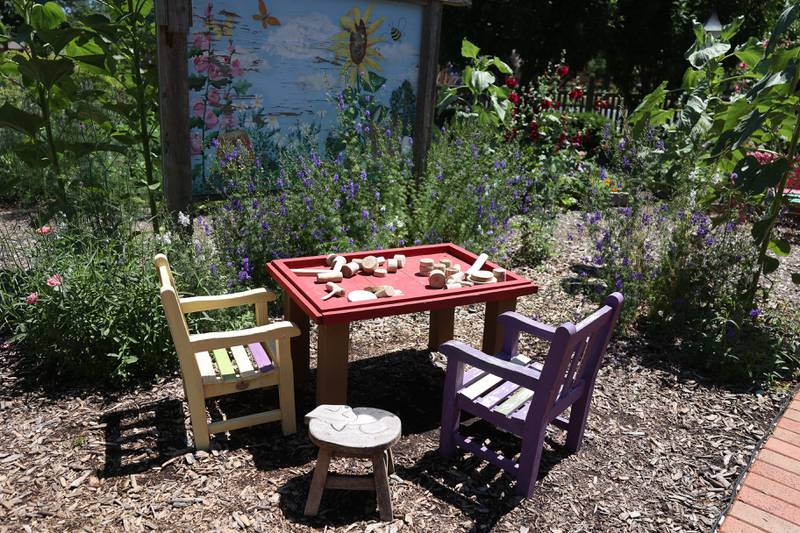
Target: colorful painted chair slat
243, 363
206, 367
524, 397
206, 364
224, 364
263, 360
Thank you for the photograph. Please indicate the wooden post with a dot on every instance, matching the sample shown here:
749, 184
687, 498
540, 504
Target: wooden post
333, 349
173, 18
442, 323
426, 83
492, 331
300, 344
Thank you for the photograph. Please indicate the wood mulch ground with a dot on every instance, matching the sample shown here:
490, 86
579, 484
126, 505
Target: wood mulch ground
663, 449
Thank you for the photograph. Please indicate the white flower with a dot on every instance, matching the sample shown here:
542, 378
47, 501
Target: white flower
166, 238
183, 219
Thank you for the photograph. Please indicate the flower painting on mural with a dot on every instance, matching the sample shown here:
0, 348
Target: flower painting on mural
356, 45
265, 74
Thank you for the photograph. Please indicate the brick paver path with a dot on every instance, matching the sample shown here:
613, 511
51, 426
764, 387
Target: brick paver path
769, 497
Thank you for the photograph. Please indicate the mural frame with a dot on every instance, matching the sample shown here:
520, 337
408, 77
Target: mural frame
173, 22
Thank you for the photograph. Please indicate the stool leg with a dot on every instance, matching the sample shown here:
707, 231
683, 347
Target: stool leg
318, 482
389, 461
384, 497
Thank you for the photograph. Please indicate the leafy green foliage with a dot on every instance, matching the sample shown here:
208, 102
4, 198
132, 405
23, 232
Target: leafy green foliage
87, 309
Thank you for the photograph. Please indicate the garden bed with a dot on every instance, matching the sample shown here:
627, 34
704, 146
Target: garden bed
663, 448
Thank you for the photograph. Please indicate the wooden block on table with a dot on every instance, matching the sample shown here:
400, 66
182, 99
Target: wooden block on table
387, 291
324, 277
330, 258
379, 272
338, 263
481, 276
350, 269
358, 261
446, 262
391, 266
439, 266
401, 260
452, 270
436, 280
308, 272
499, 274
455, 277
452, 285
369, 264
478, 264
425, 264
361, 296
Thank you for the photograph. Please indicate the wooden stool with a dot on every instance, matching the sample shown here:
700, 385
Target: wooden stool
363, 432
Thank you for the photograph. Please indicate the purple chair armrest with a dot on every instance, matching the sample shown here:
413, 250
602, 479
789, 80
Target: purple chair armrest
515, 322
515, 373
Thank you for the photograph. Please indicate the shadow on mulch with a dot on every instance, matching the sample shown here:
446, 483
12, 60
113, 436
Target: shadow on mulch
144, 437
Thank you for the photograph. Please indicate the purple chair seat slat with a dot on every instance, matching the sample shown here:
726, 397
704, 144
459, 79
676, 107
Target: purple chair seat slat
571, 366
263, 360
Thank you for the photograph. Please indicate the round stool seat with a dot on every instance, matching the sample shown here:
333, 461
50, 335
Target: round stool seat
359, 430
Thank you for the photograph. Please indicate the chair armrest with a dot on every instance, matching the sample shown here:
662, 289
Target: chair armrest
203, 342
512, 321
207, 303
513, 372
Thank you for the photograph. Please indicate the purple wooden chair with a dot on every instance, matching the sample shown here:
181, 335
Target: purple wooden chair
523, 397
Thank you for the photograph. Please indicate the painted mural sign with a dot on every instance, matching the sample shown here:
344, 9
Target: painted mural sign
263, 73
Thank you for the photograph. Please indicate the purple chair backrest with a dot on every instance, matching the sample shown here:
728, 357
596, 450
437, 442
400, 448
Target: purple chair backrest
574, 357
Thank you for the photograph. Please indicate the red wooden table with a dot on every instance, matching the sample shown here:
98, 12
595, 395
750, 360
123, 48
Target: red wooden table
303, 303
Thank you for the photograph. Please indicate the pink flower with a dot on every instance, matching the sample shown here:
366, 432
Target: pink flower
201, 63
211, 119
201, 41
229, 121
55, 280
562, 70
198, 108
196, 143
213, 97
214, 73
44, 230
513, 98
236, 69
32, 298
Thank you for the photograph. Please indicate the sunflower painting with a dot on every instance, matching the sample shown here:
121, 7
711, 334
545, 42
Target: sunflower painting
355, 46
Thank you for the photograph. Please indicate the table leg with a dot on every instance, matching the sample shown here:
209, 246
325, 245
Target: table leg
300, 344
492, 332
332, 353
441, 327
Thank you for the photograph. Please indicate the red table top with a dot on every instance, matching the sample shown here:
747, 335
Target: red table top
416, 297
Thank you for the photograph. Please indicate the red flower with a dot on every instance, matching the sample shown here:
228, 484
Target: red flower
511, 82
575, 93
44, 230
514, 98
534, 130
601, 104
32, 298
562, 70
547, 103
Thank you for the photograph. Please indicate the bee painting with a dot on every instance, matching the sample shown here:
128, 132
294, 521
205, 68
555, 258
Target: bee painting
397, 29
264, 17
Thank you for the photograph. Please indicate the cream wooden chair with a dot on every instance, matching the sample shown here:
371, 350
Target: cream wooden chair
242, 360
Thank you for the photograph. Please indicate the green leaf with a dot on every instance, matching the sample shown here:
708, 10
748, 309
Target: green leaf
648, 111
712, 50
19, 120
796, 278
780, 247
754, 178
760, 228
482, 79
734, 138
770, 264
782, 26
469, 50
771, 80
59, 38
47, 16
691, 78
373, 82
502, 66
48, 72
500, 107
750, 53
731, 29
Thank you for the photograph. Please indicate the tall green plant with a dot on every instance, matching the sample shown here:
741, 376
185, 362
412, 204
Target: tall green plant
126, 41
478, 97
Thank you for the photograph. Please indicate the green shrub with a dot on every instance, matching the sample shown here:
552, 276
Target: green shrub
87, 308
473, 186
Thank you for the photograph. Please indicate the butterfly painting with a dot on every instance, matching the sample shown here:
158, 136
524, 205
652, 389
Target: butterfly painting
264, 17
